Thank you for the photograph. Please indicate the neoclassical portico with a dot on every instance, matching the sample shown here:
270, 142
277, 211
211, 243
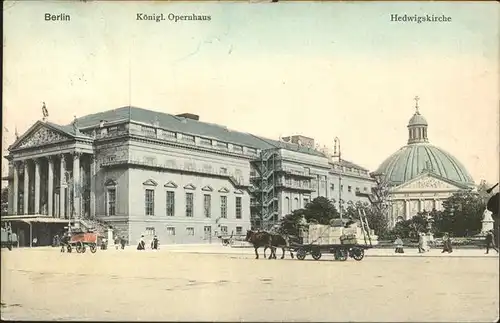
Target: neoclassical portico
52, 173
423, 193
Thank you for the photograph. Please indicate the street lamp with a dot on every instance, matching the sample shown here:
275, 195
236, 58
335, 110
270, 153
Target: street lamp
336, 143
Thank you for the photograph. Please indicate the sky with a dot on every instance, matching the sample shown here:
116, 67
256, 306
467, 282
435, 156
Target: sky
319, 69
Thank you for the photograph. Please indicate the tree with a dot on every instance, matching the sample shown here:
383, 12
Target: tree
320, 210
462, 214
5, 200
377, 220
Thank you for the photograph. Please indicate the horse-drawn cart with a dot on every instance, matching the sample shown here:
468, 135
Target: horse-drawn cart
80, 241
340, 241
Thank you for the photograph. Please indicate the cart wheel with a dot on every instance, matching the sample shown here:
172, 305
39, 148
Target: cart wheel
93, 248
301, 254
358, 254
84, 249
341, 254
316, 254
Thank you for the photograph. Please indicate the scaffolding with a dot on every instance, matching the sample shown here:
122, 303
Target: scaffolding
268, 181
265, 203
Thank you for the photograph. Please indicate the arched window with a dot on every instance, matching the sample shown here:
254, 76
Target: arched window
296, 203
288, 205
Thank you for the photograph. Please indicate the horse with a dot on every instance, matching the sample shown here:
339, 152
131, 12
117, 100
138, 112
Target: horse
492, 204
260, 239
279, 241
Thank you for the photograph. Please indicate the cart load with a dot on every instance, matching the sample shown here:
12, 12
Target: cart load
320, 234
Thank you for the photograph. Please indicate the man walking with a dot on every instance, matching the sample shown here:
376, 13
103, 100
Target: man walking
490, 243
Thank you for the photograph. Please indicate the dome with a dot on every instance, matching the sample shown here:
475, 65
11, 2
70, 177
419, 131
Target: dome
417, 120
411, 160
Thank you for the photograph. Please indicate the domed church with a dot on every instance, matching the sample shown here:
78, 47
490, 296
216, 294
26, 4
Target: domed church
421, 176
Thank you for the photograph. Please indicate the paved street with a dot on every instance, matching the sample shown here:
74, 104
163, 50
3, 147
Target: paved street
214, 283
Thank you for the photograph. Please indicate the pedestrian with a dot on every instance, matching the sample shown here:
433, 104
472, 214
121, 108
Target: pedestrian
122, 242
399, 245
141, 245
35, 241
117, 242
490, 242
154, 243
421, 242
447, 244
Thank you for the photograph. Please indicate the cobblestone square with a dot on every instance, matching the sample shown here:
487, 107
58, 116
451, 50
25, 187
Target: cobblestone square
224, 284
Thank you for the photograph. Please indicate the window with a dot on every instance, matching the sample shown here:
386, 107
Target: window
190, 231
111, 197
306, 201
189, 204
223, 229
223, 170
150, 231
296, 202
222, 145
288, 205
239, 230
238, 207
332, 187
223, 206
357, 189
365, 189
342, 188
187, 138
150, 202
349, 188
169, 134
252, 151
205, 141
170, 203
207, 205
171, 231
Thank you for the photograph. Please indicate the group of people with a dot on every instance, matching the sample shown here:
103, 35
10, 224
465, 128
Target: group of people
155, 243
423, 243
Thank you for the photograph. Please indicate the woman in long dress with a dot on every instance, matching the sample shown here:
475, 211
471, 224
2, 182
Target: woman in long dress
447, 244
399, 245
141, 245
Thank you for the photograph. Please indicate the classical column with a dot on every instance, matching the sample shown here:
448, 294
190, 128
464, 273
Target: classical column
407, 209
37, 186
62, 183
26, 187
50, 186
82, 184
76, 183
15, 189
92, 185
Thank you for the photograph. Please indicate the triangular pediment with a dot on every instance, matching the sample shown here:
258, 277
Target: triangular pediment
170, 184
207, 188
40, 134
238, 192
224, 190
110, 182
190, 187
150, 182
429, 182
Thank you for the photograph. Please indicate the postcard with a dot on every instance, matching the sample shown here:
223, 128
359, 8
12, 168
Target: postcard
264, 161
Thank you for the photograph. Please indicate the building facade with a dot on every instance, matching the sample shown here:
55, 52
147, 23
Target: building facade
149, 173
421, 176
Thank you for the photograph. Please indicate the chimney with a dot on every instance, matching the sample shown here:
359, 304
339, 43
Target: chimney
189, 116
